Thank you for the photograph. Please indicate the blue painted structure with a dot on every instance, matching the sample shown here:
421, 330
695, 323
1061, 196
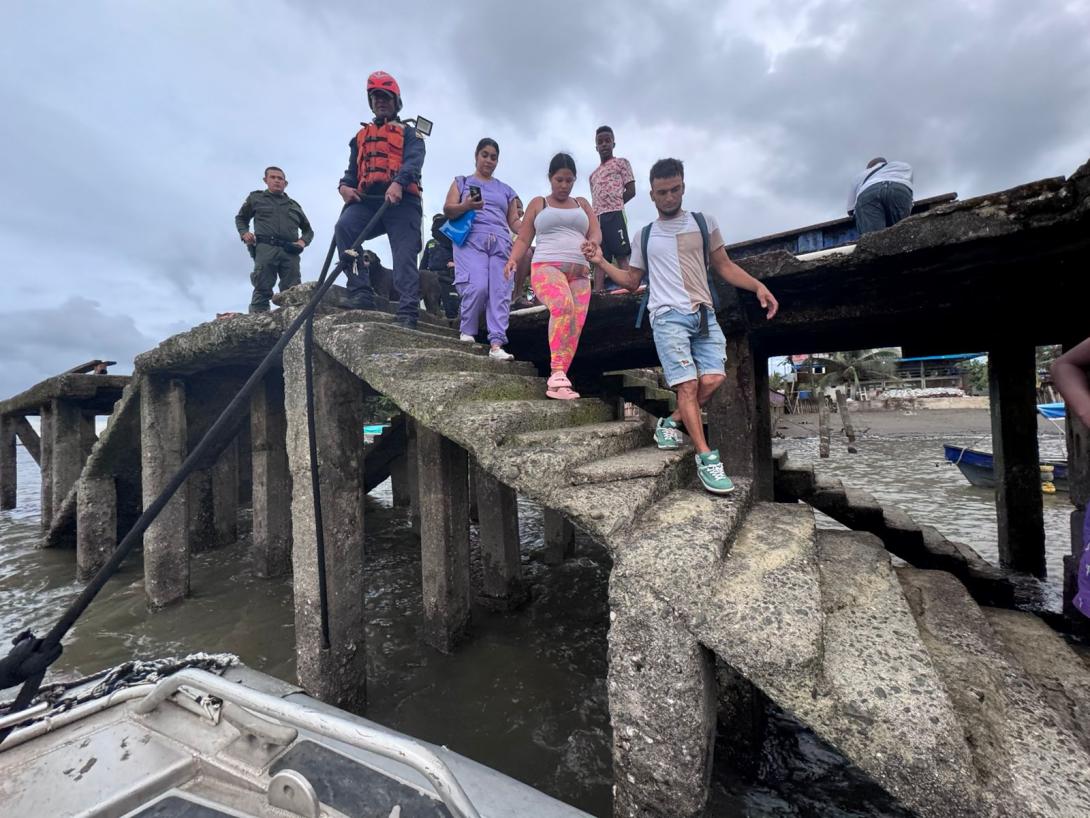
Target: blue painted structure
821, 236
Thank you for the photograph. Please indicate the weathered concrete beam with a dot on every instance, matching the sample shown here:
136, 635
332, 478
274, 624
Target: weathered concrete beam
1012, 386
739, 419
9, 478
444, 538
272, 487
29, 438
335, 672
96, 523
97, 393
498, 527
399, 480
662, 703
559, 535
162, 450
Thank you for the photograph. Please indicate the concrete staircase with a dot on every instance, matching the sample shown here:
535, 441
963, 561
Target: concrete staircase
954, 709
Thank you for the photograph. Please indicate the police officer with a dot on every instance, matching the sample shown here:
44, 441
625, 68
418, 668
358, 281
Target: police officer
438, 261
385, 161
275, 243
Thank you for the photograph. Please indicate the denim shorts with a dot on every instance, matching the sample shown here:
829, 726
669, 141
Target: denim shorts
684, 353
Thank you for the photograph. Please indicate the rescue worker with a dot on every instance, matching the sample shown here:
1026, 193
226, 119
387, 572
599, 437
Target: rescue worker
385, 160
275, 242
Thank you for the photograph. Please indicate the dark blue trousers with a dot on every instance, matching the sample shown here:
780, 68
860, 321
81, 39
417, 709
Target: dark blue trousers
401, 222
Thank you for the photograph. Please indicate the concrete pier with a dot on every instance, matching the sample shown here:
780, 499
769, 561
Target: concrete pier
163, 449
1012, 385
498, 527
336, 674
444, 538
272, 486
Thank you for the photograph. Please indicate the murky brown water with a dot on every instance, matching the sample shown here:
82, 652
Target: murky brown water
527, 694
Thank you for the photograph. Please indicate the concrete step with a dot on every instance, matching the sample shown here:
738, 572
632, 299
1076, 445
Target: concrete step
881, 700
648, 461
448, 389
499, 422
605, 510
1028, 762
1058, 672
549, 456
450, 360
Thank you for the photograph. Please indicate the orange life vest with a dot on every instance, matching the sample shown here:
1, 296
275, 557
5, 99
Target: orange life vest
380, 151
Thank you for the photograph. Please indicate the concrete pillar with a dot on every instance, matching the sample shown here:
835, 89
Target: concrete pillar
272, 489
412, 473
501, 560
96, 523
9, 484
474, 512
68, 442
1012, 386
444, 538
87, 434
399, 481
662, 704
225, 496
162, 450
739, 417
207, 395
45, 464
245, 460
337, 672
559, 536
1078, 480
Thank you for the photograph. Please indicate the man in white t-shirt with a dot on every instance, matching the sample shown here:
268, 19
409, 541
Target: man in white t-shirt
689, 341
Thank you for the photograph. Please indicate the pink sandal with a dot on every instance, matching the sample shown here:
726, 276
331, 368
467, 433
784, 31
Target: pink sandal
559, 387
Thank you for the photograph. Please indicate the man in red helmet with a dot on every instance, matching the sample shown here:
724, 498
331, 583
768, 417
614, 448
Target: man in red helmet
385, 159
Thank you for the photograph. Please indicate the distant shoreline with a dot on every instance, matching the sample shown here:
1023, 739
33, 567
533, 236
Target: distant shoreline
894, 422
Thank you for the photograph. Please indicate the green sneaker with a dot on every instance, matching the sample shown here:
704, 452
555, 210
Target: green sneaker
667, 434
709, 468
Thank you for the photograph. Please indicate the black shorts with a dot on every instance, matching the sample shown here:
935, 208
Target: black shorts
614, 236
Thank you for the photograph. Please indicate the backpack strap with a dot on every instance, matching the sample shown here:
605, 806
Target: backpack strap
705, 236
645, 236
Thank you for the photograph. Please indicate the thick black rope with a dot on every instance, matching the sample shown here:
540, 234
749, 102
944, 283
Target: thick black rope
213, 438
315, 481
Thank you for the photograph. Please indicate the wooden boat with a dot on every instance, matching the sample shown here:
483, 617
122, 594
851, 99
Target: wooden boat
979, 467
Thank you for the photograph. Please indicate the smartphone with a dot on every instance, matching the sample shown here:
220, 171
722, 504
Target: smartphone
475, 192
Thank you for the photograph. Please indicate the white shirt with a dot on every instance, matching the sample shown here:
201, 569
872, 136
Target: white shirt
899, 172
677, 275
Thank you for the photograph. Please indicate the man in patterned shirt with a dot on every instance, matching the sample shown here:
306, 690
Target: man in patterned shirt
611, 185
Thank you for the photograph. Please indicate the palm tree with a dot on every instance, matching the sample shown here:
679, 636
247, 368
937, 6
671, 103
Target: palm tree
850, 368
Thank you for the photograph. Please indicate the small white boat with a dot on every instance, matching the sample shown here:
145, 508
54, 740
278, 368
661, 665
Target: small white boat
210, 738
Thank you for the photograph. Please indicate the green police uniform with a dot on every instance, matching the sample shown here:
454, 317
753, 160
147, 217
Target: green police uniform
279, 217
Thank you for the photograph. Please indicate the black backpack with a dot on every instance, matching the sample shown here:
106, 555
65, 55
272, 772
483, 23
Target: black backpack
645, 235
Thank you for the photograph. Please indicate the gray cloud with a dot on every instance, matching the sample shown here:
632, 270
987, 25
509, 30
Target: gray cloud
133, 132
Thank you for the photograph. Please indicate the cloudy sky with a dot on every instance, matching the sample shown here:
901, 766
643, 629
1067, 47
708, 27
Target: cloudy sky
132, 131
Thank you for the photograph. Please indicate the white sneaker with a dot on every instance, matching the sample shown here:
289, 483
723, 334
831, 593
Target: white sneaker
498, 354
468, 339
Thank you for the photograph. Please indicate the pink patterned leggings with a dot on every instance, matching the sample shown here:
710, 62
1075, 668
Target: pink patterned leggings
565, 289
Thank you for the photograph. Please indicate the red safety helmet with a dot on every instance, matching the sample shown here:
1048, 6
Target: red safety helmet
381, 81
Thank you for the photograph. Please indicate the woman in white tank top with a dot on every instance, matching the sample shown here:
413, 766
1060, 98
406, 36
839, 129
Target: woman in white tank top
560, 274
